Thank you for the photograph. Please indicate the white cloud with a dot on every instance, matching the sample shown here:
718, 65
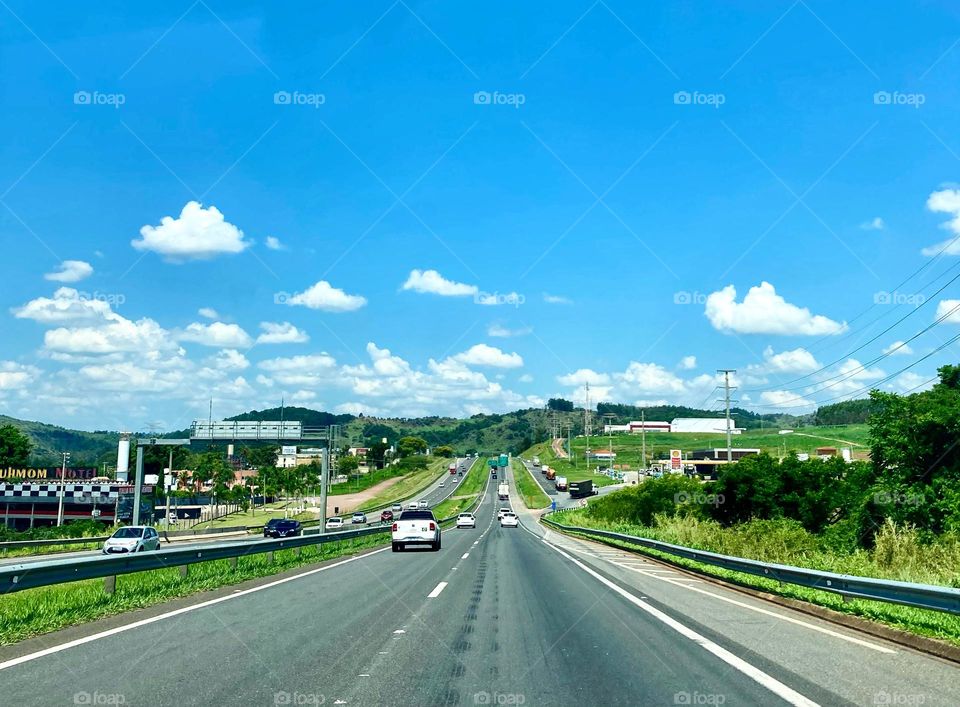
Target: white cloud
498, 330
66, 305
874, 224
281, 333
525, 378
70, 271
556, 299
208, 313
485, 355
583, 375
650, 378
763, 311
785, 399
15, 376
197, 234
432, 282
273, 243
946, 201
229, 360
326, 297
898, 348
118, 335
910, 382
798, 360
950, 310
688, 363
217, 334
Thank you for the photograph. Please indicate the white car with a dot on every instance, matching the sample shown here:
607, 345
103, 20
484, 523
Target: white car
466, 520
423, 503
441, 484
132, 538
334, 524
502, 512
509, 520
415, 528
412, 506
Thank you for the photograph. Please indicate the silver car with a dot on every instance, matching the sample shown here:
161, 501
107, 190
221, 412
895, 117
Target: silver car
132, 538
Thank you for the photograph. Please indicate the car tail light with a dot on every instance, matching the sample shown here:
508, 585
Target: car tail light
394, 528
433, 527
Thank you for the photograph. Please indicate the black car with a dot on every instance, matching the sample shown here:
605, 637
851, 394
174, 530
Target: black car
282, 528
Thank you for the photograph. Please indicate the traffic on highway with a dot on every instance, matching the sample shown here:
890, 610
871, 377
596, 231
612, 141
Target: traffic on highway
499, 613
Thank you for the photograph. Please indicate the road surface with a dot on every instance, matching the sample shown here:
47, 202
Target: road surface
497, 616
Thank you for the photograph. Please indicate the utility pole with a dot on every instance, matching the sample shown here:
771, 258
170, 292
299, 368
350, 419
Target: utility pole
726, 399
643, 437
324, 471
586, 419
63, 480
570, 444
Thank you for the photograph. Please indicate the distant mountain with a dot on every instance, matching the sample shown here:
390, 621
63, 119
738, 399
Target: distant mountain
86, 448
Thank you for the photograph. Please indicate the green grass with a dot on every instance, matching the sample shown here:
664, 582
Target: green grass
564, 467
468, 488
899, 555
530, 491
411, 485
254, 517
37, 611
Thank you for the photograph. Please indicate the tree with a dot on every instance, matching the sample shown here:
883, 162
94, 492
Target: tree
408, 446
14, 447
377, 455
560, 405
348, 465
445, 450
260, 456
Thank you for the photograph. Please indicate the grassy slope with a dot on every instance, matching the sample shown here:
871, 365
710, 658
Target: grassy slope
530, 491
256, 517
468, 488
411, 485
565, 467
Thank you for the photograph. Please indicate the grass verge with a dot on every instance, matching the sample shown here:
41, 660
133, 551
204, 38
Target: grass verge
253, 517
468, 489
410, 486
923, 622
533, 496
37, 611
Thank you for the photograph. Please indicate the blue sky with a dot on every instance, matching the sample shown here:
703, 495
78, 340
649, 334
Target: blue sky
430, 208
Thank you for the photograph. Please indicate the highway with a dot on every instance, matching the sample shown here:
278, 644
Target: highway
563, 500
497, 616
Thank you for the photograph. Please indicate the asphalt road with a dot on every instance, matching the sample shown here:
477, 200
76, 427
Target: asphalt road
497, 616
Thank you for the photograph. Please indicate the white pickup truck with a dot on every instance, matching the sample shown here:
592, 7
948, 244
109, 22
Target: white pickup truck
415, 528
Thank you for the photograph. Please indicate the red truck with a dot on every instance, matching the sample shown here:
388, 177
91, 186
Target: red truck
452, 468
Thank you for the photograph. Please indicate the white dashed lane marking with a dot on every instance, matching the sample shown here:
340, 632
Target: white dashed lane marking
436, 590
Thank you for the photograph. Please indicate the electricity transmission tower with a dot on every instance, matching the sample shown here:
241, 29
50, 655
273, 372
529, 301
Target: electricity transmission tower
726, 400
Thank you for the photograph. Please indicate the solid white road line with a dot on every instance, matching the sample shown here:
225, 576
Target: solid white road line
766, 612
782, 691
177, 612
464, 555
436, 590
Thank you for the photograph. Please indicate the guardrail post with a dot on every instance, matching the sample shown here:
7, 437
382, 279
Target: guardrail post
299, 552
270, 557
184, 571
233, 563
110, 584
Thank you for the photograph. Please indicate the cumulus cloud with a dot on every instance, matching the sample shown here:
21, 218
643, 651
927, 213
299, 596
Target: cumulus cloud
15, 376
797, 360
874, 224
946, 201
581, 376
281, 333
325, 297
229, 360
485, 355
118, 335
217, 334
949, 309
556, 299
688, 363
70, 271
208, 313
525, 378
785, 399
432, 282
273, 243
66, 305
763, 311
898, 348
197, 234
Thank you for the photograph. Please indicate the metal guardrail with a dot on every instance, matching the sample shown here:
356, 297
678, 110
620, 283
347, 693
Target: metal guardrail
42, 573
18, 544
924, 596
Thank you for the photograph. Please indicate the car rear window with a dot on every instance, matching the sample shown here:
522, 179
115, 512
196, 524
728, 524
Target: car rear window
417, 515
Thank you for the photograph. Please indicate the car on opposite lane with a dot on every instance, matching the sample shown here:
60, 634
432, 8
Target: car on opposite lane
334, 524
132, 538
509, 520
466, 520
282, 528
386, 517
397, 508
359, 519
